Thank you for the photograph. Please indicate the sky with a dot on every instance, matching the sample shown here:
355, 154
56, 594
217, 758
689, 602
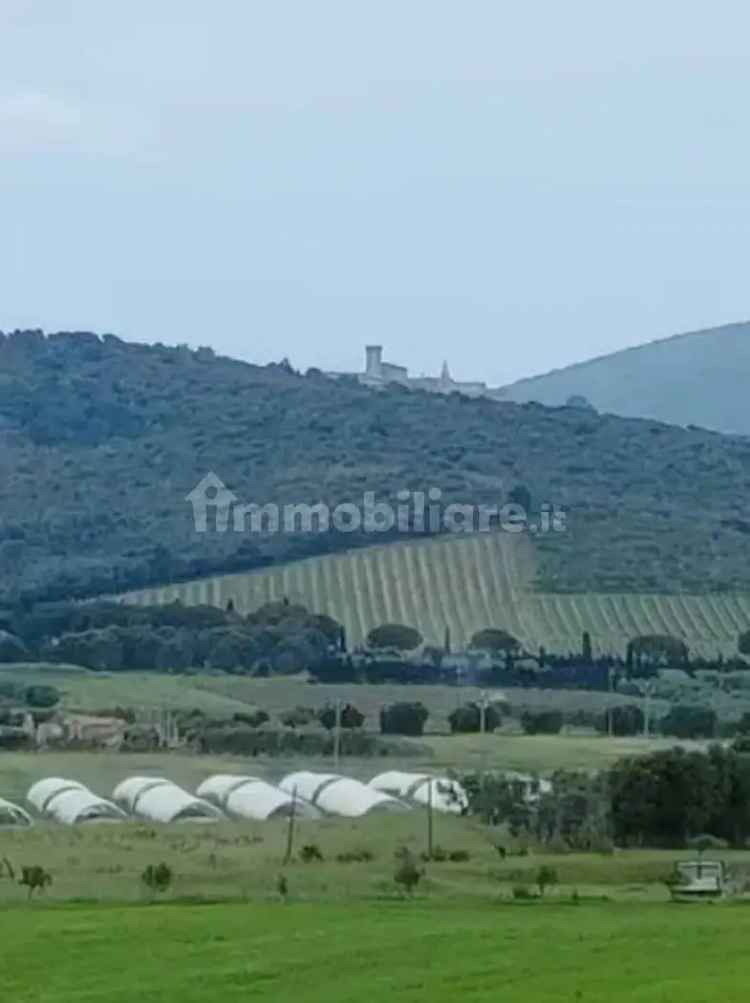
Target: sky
511, 187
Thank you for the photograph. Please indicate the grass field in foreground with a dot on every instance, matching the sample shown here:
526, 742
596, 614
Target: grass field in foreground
408, 951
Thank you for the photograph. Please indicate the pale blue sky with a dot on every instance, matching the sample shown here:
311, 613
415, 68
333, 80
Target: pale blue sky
511, 186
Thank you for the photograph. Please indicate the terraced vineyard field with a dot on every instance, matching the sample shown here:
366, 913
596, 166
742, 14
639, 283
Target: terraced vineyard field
466, 583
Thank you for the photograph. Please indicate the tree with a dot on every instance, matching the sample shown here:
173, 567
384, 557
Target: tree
580, 402
394, 635
657, 649
586, 653
685, 721
42, 696
468, 718
254, 719
403, 719
626, 720
349, 717
297, 717
743, 643
407, 874
35, 878
665, 797
542, 722
157, 878
309, 853
495, 640
545, 877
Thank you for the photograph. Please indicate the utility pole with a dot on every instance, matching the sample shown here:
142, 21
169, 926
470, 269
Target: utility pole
430, 784
610, 676
647, 710
290, 828
483, 754
337, 737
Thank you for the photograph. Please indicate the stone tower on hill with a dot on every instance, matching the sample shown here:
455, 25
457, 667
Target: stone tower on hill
379, 373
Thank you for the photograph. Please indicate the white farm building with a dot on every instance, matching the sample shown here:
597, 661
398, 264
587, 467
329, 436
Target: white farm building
336, 795
445, 794
159, 800
252, 798
70, 802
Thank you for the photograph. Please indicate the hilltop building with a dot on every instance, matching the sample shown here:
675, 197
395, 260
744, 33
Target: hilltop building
379, 373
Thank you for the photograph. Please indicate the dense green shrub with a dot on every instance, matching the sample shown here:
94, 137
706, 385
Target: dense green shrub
310, 853
157, 877
689, 722
254, 719
407, 874
394, 635
494, 639
403, 719
349, 717
657, 649
468, 718
545, 877
298, 717
542, 722
668, 797
42, 696
625, 720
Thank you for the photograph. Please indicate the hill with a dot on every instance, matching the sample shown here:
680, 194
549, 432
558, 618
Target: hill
698, 378
465, 584
101, 441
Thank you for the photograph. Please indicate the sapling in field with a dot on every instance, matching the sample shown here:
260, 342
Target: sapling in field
545, 877
157, 878
407, 875
35, 878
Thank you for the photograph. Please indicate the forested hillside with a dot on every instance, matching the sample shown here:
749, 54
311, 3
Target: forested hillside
698, 378
100, 442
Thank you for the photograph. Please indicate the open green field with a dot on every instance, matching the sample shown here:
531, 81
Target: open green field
221, 694
408, 951
466, 583
605, 932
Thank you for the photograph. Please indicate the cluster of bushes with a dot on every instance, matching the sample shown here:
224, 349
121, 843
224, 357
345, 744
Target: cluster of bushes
667, 797
570, 813
469, 717
542, 722
280, 637
403, 719
233, 739
39, 696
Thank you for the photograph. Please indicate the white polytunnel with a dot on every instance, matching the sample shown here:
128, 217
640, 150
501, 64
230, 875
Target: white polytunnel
70, 802
336, 795
12, 815
252, 798
159, 800
445, 794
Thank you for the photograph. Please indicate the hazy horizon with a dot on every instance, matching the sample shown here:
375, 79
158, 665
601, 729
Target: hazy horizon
512, 190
